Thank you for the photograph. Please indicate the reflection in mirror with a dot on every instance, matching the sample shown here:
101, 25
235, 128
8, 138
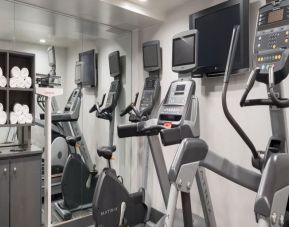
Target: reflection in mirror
82, 50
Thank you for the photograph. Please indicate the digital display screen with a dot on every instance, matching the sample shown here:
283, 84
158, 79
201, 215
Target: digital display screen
147, 97
150, 54
184, 50
78, 72
275, 16
89, 67
180, 87
215, 32
114, 63
51, 56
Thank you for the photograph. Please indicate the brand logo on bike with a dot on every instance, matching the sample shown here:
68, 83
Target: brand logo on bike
109, 211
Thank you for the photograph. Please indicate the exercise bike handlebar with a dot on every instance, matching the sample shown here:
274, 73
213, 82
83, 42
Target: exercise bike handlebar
97, 106
131, 107
139, 129
169, 136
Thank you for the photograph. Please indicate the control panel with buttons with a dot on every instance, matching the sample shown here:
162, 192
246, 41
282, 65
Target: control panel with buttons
150, 94
272, 41
177, 103
113, 95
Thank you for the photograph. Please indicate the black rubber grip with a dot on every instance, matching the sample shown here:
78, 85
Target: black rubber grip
128, 130
175, 135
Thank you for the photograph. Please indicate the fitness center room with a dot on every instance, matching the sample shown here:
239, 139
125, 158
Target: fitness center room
144, 113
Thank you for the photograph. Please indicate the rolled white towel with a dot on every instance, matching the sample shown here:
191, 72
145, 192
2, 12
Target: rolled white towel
25, 109
15, 71
24, 72
17, 108
3, 117
21, 119
1, 107
1, 72
28, 118
17, 79
12, 82
28, 82
3, 81
20, 82
13, 118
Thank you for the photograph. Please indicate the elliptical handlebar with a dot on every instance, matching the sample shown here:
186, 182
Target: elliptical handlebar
233, 122
281, 103
232, 52
250, 84
272, 101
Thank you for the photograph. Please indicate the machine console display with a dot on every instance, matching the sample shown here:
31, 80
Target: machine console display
272, 40
177, 102
113, 95
150, 93
72, 100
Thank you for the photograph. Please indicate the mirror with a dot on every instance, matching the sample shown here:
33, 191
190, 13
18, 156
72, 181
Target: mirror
33, 30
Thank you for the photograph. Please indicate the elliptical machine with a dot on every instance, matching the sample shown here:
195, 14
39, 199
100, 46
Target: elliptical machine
272, 184
78, 179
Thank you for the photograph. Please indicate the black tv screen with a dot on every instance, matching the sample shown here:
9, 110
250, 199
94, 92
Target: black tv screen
152, 60
184, 50
89, 60
215, 26
114, 64
150, 54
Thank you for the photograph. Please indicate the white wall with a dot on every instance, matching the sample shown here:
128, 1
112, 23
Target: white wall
233, 205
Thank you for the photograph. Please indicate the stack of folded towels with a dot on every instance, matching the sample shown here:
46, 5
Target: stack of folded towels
20, 78
20, 114
3, 115
3, 80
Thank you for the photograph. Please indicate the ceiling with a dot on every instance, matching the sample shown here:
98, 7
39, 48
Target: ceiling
163, 5
124, 14
64, 25
30, 24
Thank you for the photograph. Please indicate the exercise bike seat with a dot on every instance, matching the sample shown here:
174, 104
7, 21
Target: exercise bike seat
72, 140
106, 151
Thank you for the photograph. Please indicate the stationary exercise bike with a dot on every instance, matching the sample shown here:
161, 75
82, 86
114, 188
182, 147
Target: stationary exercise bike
113, 205
78, 179
108, 113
